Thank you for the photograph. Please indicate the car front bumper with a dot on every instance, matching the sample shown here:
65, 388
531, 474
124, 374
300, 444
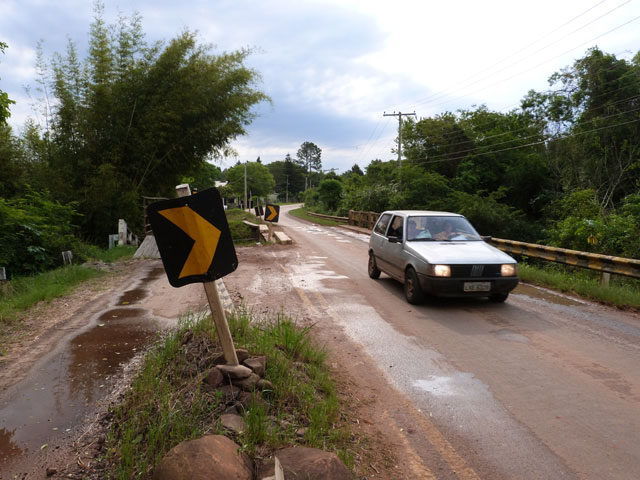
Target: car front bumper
455, 287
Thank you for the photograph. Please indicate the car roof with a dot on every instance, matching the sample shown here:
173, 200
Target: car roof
415, 213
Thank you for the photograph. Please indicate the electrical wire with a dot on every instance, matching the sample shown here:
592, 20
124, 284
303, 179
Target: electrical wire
563, 137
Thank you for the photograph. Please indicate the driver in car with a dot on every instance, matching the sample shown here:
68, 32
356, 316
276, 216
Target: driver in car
447, 233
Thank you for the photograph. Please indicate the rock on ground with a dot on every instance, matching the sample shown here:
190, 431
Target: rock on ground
301, 463
207, 458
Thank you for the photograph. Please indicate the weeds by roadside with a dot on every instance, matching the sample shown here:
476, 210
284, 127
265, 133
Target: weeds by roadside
622, 292
21, 293
169, 402
24, 292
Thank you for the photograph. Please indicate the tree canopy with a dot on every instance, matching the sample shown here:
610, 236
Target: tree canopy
5, 101
260, 182
309, 156
289, 177
133, 119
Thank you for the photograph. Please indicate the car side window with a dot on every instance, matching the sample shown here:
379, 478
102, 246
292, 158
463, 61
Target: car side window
395, 230
381, 226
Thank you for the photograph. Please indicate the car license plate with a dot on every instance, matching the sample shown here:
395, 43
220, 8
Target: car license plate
477, 286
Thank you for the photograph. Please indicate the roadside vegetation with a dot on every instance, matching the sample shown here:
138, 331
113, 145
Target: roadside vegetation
23, 292
622, 292
168, 402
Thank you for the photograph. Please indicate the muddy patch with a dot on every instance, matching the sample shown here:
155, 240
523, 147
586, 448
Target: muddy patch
131, 297
71, 380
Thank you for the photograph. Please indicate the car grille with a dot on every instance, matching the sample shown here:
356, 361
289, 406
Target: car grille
475, 271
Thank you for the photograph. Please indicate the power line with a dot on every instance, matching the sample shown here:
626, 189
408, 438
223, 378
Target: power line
563, 137
446, 134
488, 69
542, 63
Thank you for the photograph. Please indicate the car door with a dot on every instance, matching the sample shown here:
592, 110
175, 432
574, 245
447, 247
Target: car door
392, 248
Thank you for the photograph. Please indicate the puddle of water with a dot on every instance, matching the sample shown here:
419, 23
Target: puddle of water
70, 381
121, 314
8, 448
155, 273
550, 297
134, 296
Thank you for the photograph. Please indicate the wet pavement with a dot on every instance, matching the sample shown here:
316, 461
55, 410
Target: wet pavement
68, 382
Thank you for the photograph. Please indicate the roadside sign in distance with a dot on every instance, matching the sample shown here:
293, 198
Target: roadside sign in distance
271, 213
193, 238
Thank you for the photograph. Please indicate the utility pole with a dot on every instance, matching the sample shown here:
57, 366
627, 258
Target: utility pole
245, 186
399, 115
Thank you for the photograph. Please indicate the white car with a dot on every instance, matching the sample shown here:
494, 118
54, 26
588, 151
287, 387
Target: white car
439, 253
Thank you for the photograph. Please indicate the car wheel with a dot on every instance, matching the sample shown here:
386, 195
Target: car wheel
372, 267
498, 297
412, 289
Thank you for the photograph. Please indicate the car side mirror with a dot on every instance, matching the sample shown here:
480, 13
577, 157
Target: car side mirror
487, 238
395, 239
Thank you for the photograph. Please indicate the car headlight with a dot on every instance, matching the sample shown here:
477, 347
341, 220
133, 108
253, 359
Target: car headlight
509, 270
442, 270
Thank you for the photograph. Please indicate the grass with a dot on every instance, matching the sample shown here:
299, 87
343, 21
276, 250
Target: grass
302, 214
112, 254
24, 292
21, 293
167, 403
622, 292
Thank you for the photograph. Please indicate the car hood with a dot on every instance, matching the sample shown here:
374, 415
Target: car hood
460, 253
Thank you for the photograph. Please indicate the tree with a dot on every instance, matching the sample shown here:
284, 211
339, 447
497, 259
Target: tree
356, 170
289, 177
329, 192
309, 156
591, 118
205, 177
260, 182
134, 119
5, 101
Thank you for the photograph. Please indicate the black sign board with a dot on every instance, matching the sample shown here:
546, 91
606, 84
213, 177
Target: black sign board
272, 213
193, 238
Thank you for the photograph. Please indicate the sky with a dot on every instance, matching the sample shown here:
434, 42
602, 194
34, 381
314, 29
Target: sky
333, 68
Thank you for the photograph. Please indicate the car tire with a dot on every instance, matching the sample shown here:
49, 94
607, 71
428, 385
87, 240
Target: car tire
372, 268
499, 297
412, 290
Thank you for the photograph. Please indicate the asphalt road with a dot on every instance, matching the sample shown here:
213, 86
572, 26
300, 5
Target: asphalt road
540, 387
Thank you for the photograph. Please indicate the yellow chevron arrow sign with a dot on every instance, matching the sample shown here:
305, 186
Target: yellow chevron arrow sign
271, 213
204, 234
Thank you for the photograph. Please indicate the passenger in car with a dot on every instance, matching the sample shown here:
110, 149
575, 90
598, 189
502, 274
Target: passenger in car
413, 233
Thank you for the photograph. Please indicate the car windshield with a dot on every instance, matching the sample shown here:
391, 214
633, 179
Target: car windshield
427, 228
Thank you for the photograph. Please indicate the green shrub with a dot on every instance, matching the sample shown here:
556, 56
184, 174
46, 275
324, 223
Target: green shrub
33, 232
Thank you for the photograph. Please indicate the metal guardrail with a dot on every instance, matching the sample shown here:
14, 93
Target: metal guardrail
593, 261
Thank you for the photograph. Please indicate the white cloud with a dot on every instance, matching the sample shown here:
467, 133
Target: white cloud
333, 67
